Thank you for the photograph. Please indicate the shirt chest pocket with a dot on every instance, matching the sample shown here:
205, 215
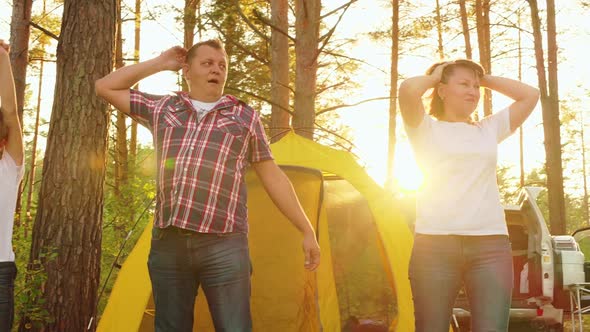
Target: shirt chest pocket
230, 125
176, 117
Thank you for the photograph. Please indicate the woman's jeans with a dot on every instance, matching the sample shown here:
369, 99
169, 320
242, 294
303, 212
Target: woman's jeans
180, 261
441, 264
7, 276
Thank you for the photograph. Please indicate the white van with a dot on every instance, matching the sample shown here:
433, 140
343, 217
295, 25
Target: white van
544, 266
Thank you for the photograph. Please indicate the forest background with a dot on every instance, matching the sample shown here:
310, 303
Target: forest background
327, 68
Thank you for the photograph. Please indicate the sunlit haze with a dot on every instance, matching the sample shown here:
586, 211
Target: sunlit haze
369, 121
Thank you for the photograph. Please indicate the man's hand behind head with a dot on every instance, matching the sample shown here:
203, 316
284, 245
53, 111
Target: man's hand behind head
173, 58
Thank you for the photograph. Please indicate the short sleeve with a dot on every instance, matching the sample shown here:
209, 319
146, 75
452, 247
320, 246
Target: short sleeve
498, 124
142, 107
259, 147
419, 133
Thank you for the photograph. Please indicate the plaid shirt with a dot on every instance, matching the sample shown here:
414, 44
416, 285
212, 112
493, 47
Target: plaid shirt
200, 181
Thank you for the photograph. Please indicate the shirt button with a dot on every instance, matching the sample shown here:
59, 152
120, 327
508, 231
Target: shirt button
186, 169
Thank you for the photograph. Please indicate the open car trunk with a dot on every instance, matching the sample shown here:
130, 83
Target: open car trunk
533, 263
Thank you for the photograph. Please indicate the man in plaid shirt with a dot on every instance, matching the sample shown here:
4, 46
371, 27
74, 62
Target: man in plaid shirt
204, 141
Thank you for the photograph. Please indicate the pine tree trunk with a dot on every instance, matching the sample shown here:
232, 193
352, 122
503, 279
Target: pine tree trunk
554, 149
190, 20
121, 152
33, 162
136, 48
482, 10
20, 32
70, 211
307, 25
279, 117
465, 26
441, 51
550, 106
520, 130
585, 198
393, 93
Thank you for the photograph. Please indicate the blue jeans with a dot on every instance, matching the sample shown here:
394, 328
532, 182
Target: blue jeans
7, 276
441, 264
180, 261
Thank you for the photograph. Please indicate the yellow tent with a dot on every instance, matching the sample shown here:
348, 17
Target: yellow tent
284, 296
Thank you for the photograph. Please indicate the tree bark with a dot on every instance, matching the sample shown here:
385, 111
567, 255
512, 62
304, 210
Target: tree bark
33, 161
393, 92
69, 215
190, 21
307, 25
136, 48
465, 26
20, 32
482, 14
550, 106
441, 51
279, 117
585, 198
121, 152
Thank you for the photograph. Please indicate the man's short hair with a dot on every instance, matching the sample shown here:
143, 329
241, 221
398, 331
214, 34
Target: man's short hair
214, 43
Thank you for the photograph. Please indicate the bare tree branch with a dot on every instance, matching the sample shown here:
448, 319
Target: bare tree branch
45, 31
333, 108
320, 91
266, 100
274, 27
337, 9
354, 59
325, 39
249, 23
240, 46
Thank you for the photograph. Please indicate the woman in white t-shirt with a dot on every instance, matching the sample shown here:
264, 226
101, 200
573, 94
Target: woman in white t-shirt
461, 235
11, 173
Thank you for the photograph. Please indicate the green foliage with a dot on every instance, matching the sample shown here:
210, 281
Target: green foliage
126, 213
40, 41
29, 300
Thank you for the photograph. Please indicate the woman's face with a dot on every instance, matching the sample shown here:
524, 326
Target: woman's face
460, 94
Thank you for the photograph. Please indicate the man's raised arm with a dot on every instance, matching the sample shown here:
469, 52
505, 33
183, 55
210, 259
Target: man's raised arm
114, 87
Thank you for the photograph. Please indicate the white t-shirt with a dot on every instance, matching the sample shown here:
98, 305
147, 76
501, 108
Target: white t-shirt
460, 193
202, 108
10, 177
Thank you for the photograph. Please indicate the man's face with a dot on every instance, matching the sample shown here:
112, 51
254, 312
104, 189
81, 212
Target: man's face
206, 73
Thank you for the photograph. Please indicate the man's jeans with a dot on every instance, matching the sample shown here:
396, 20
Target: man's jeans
441, 264
180, 261
7, 276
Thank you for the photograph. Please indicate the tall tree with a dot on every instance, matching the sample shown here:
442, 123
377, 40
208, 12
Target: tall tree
136, 48
20, 32
482, 15
439, 28
280, 115
550, 107
585, 211
307, 27
520, 130
465, 26
69, 215
121, 151
393, 91
190, 21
